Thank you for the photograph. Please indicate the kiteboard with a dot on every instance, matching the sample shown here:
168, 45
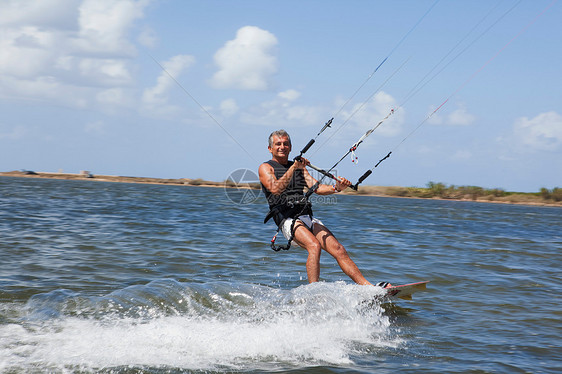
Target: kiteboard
404, 291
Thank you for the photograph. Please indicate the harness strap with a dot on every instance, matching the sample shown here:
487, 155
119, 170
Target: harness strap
271, 213
286, 247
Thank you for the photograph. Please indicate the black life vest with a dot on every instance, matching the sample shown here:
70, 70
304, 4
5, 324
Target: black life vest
291, 202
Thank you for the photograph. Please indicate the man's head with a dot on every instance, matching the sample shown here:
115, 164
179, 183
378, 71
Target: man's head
280, 134
280, 145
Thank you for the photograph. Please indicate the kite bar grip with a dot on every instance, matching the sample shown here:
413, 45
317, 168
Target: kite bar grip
310, 143
363, 177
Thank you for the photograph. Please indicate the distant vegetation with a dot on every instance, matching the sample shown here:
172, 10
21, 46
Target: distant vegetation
554, 194
475, 193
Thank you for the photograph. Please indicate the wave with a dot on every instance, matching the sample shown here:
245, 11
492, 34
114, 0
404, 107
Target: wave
196, 326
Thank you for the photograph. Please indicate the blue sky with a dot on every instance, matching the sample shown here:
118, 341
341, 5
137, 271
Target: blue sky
86, 85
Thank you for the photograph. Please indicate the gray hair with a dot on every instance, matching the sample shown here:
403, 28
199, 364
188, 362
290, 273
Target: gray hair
279, 133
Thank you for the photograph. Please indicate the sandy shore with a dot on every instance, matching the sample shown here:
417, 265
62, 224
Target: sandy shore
110, 178
381, 191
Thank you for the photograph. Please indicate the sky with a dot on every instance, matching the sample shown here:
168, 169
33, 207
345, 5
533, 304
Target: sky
192, 89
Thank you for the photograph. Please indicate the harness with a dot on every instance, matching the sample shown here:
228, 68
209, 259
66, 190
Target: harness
282, 212
290, 204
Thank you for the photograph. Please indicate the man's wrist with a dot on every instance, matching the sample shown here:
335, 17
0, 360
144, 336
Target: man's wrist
335, 188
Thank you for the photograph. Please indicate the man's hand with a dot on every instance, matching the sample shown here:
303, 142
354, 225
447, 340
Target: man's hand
342, 184
301, 163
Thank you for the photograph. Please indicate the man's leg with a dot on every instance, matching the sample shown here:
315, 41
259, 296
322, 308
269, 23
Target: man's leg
328, 241
308, 241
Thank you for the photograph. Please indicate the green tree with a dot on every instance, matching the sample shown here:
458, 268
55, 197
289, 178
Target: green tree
556, 194
436, 189
545, 193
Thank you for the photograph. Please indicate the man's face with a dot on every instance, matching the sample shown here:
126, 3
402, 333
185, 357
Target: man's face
281, 146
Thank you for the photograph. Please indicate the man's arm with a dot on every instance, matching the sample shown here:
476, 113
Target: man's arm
271, 183
326, 189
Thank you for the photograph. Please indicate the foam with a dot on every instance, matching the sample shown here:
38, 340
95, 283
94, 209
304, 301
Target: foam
199, 327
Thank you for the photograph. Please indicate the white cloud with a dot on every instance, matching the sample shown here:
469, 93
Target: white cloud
284, 111
289, 95
433, 118
458, 117
66, 51
44, 13
158, 94
156, 99
304, 114
228, 107
147, 37
43, 87
105, 72
541, 133
248, 62
104, 25
115, 98
366, 115
26, 51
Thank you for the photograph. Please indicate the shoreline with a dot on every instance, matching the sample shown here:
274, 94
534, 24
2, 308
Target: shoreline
529, 199
114, 178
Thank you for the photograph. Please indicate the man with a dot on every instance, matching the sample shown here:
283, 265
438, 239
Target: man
283, 182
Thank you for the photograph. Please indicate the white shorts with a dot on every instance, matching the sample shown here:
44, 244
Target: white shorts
306, 219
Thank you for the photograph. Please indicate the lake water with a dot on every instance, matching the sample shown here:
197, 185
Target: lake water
131, 278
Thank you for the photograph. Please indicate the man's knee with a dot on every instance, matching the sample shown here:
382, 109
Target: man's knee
314, 249
339, 251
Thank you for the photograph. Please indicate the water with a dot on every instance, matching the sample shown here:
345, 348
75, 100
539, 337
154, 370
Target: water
126, 278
